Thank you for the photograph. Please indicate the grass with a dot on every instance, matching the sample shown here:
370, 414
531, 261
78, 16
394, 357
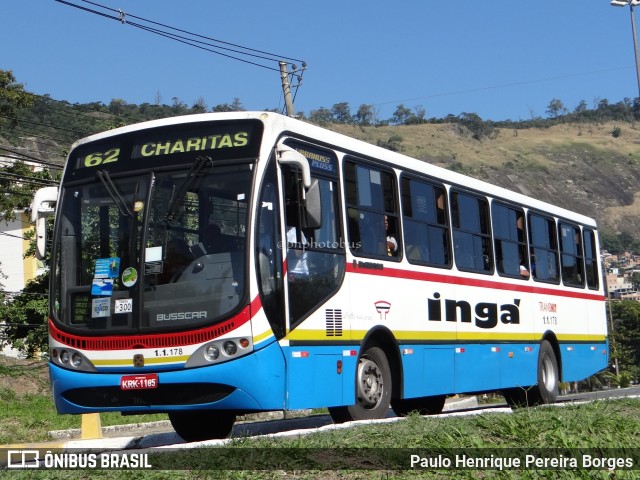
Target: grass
378, 451
27, 412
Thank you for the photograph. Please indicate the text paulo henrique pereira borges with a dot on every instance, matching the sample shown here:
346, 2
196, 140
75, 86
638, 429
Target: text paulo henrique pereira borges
497, 462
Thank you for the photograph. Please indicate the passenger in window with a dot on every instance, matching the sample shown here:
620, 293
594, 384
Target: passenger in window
392, 243
440, 209
524, 272
520, 226
297, 255
533, 263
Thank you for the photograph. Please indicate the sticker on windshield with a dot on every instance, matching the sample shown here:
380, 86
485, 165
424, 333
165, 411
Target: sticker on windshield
102, 287
123, 305
129, 277
100, 307
107, 268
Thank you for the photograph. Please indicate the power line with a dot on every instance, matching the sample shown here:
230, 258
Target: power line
194, 41
29, 157
78, 132
122, 17
26, 179
503, 85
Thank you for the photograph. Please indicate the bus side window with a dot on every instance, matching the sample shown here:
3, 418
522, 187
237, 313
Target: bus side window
510, 241
591, 259
544, 248
426, 233
372, 211
471, 232
571, 258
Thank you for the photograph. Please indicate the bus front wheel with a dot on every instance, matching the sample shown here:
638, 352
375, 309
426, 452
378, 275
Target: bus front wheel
199, 425
373, 389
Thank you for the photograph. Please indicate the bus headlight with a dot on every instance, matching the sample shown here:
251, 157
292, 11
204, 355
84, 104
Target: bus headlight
71, 359
230, 348
212, 352
219, 351
76, 359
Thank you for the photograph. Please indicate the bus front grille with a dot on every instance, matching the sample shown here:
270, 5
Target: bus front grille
172, 394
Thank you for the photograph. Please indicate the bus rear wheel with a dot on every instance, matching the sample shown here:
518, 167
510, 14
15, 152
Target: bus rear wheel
373, 389
199, 425
424, 405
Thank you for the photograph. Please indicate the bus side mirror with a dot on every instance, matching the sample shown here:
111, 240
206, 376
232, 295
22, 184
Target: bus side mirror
313, 206
42, 207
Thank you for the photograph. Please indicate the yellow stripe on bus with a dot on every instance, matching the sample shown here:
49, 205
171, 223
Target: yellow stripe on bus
147, 361
263, 336
444, 336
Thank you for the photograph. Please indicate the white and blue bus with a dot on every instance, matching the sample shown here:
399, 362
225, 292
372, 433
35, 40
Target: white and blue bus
218, 264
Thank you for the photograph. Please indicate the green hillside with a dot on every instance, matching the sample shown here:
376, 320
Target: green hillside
579, 166
587, 161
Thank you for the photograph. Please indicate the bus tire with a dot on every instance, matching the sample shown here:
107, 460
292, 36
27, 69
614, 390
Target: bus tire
373, 389
199, 425
546, 390
423, 405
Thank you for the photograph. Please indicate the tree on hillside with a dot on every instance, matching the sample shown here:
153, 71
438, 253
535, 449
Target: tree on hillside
365, 115
401, 115
12, 97
581, 107
479, 128
321, 116
341, 112
199, 106
234, 106
556, 108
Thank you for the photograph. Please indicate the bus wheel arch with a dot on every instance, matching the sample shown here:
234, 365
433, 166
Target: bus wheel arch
376, 378
550, 337
548, 375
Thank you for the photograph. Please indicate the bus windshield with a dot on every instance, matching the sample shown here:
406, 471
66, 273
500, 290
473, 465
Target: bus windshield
159, 250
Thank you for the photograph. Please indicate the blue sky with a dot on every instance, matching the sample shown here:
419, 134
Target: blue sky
500, 59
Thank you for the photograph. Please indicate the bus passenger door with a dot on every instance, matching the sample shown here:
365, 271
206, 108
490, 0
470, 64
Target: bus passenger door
314, 271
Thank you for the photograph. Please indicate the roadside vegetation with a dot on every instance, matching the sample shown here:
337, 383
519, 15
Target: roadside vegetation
27, 412
603, 428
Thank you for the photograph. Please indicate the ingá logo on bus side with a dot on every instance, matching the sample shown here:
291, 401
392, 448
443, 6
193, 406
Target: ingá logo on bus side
486, 314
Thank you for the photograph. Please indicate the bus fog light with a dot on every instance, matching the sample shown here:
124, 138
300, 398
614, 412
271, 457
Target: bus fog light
212, 352
244, 343
230, 348
76, 359
64, 356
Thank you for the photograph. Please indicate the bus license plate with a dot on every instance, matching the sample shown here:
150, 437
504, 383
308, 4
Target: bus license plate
139, 382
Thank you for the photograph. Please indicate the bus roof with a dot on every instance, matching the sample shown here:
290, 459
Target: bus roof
277, 124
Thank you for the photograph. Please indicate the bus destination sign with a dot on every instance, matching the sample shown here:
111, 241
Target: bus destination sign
227, 141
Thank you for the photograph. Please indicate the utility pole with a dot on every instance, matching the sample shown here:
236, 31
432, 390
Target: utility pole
286, 89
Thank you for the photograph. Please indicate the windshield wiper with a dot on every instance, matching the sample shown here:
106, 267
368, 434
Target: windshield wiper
198, 166
113, 191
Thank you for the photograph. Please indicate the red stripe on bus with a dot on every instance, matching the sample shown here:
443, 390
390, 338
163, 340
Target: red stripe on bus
162, 340
469, 282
